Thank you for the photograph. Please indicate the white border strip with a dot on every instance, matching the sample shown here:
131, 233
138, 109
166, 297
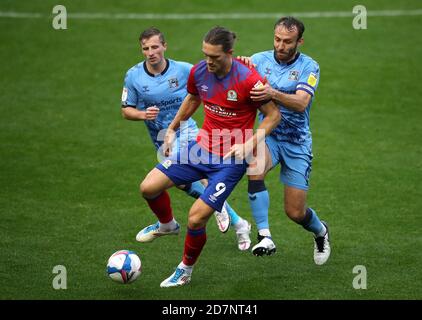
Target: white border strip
211, 16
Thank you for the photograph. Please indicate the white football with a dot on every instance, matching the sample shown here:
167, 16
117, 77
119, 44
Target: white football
124, 266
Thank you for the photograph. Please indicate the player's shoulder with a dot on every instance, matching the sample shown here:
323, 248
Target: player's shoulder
200, 65
242, 68
181, 64
307, 61
200, 68
135, 69
263, 55
245, 73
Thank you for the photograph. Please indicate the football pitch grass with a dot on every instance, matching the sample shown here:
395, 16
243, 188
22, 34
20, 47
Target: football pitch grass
70, 165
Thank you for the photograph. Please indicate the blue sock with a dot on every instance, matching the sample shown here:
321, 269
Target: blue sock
195, 189
259, 201
312, 222
234, 218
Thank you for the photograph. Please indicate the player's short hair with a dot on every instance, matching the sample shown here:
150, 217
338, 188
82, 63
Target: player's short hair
221, 36
290, 23
150, 32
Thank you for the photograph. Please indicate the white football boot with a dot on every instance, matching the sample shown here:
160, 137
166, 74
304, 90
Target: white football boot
223, 219
322, 247
180, 277
153, 231
265, 246
243, 238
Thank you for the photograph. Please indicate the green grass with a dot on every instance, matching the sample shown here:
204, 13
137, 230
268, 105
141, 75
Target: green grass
70, 166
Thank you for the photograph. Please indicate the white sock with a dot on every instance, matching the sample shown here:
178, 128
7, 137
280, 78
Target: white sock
168, 226
185, 267
265, 232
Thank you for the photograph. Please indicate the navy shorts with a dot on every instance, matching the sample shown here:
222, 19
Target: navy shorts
195, 163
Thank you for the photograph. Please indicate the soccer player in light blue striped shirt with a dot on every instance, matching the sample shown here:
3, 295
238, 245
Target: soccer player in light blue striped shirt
292, 79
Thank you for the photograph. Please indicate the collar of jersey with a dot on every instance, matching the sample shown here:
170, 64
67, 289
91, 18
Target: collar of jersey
288, 63
155, 75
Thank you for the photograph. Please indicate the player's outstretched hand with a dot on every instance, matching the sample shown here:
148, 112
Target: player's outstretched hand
152, 113
247, 61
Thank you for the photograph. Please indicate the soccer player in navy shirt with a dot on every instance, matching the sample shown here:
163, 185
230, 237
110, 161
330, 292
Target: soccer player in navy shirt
223, 84
153, 91
292, 79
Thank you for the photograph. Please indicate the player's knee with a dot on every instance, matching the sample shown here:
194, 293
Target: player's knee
147, 189
295, 214
196, 219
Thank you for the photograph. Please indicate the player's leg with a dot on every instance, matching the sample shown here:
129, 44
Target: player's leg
196, 188
295, 176
296, 209
195, 240
220, 184
153, 190
225, 218
259, 202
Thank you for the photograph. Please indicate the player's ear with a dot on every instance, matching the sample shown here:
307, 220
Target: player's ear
300, 41
165, 45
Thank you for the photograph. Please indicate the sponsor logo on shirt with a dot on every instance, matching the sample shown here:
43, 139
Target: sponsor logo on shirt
294, 75
312, 79
124, 95
220, 111
231, 95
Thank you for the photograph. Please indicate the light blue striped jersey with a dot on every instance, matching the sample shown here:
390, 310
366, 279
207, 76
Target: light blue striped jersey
302, 73
167, 91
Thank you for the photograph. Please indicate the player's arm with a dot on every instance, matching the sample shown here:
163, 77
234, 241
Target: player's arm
186, 110
131, 113
272, 118
295, 102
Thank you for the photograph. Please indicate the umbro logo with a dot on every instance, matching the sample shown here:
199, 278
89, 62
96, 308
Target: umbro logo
204, 88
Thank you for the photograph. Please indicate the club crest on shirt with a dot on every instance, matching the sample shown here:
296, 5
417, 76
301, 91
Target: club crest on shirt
173, 83
231, 95
294, 75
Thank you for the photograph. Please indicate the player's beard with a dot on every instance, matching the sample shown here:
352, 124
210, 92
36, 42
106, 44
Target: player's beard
287, 56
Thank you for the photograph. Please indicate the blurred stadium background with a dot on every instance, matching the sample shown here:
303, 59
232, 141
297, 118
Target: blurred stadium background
70, 165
